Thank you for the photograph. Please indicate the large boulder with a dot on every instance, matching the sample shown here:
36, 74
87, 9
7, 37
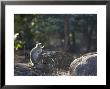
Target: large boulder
85, 65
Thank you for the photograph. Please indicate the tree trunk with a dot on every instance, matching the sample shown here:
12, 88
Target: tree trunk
90, 34
66, 33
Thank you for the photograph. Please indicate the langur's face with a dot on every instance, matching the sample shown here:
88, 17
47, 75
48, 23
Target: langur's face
39, 46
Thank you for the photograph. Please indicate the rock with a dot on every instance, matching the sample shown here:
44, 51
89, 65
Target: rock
85, 65
21, 69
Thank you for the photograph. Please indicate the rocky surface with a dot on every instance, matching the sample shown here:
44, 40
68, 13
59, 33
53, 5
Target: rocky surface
21, 69
85, 65
51, 64
60, 64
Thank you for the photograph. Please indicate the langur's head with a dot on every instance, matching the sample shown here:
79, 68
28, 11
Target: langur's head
38, 45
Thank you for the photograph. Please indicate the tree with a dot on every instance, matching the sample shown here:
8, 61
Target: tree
66, 33
63, 28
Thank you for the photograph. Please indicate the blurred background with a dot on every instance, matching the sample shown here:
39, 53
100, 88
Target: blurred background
72, 33
64, 37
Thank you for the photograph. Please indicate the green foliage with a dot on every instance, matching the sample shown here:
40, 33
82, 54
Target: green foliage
17, 45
